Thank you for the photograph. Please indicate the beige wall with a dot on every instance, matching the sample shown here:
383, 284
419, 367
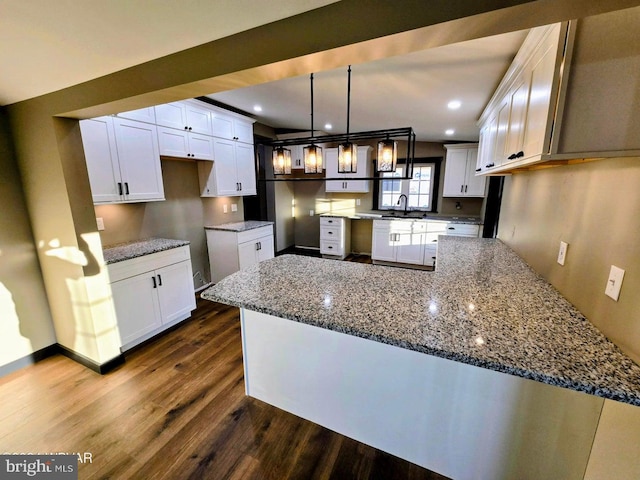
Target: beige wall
25, 319
182, 216
595, 207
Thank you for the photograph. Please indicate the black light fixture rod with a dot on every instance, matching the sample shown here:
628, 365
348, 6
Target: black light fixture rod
348, 98
311, 105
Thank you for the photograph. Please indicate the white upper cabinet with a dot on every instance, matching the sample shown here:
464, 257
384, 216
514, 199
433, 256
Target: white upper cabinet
186, 115
123, 160
231, 127
178, 143
460, 172
232, 173
516, 125
352, 181
147, 115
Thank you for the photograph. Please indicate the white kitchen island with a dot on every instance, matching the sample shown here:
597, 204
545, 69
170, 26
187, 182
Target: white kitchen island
479, 370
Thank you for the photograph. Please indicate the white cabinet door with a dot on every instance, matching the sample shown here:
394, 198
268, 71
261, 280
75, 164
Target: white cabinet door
172, 115
173, 142
243, 131
297, 156
222, 125
147, 115
99, 142
245, 169
137, 306
454, 175
538, 112
198, 118
175, 291
487, 144
139, 157
460, 172
382, 245
266, 250
201, 146
474, 186
349, 182
225, 171
248, 253
410, 247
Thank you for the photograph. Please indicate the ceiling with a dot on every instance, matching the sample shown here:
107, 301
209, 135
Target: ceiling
57, 44
404, 91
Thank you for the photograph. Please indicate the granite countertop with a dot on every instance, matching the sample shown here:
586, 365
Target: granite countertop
398, 215
239, 226
127, 251
482, 306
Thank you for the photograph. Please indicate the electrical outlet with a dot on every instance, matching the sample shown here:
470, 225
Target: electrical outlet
234, 207
225, 208
100, 223
357, 202
311, 213
614, 284
562, 253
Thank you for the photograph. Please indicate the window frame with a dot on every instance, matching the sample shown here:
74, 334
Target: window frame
404, 188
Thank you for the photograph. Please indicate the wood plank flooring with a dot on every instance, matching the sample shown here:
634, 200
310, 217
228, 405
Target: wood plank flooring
177, 410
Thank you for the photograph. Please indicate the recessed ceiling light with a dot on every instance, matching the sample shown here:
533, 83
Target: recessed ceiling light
257, 108
450, 131
454, 104
328, 126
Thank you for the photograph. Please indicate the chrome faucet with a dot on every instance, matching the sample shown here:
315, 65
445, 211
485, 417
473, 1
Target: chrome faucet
405, 202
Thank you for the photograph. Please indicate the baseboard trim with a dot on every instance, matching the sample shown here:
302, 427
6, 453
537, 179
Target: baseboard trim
100, 368
30, 359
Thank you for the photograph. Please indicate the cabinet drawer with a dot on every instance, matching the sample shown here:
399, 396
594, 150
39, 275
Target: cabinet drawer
146, 263
331, 247
462, 229
432, 238
254, 234
330, 233
331, 222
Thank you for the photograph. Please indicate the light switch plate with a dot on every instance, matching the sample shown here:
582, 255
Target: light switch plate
234, 207
562, 253
100, 223
614, 284
225, 208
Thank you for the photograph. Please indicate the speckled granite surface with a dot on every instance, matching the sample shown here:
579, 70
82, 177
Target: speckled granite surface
239, 226
127, 251
482, 306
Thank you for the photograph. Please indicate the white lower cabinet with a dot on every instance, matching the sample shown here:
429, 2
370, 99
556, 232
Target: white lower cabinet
151, 293
335, 237
398, 241
230, 251
413, 242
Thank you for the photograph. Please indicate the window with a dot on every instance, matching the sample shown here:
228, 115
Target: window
418, 189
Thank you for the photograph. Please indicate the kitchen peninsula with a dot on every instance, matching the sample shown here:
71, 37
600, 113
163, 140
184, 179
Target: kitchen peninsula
391, 358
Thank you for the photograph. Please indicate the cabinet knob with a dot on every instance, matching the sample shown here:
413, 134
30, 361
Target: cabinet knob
186, 128
189, 128
520, 154
478, 169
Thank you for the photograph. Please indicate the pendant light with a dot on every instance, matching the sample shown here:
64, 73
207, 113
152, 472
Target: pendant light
281, 161
387, 155
312, 153
347, 151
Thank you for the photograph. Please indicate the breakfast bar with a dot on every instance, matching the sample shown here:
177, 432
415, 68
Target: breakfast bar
480, 369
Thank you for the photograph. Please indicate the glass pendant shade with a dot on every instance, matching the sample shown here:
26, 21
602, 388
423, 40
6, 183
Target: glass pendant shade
313, 159
387, 156
281, 161
347, 158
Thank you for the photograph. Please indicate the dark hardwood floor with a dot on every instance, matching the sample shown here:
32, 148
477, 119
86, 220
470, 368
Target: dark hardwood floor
177, 409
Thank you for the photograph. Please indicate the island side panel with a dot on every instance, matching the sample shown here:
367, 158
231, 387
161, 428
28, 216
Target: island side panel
459, 420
